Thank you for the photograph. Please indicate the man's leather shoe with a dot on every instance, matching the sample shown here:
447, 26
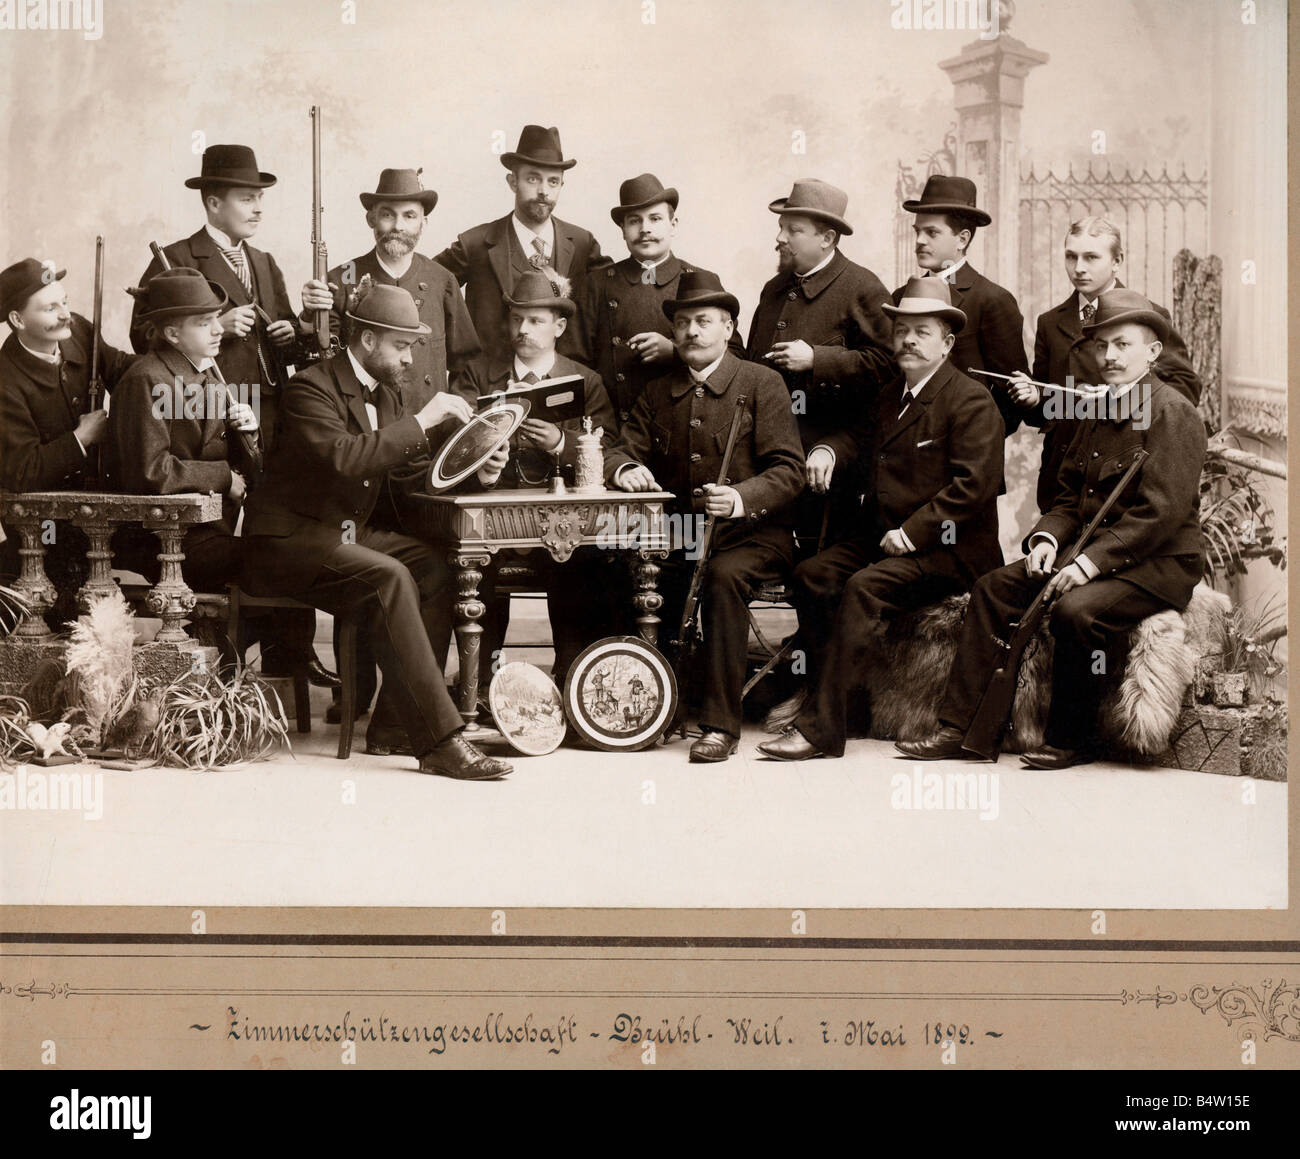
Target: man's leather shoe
334, 713
713, 746
456, 757
944, 744
321, 676
307, 662
1047, 756
384, 740
791, 745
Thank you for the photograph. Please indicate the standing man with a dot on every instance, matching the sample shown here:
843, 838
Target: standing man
677, 436
488, 259
1147, 555
324, 527
1093, 255
930, 527
992, 339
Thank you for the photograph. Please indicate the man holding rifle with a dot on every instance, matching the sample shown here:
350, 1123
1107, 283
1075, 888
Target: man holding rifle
1145, 555
677, 435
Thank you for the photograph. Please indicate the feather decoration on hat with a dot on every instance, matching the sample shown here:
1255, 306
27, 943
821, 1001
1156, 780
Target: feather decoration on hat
358, 293
559, 283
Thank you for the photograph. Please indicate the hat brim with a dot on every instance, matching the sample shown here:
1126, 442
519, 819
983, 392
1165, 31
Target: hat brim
566, 306
621, 211
781, 206
979, 216
428, 198
954, 317
222, 301
515, 160
725, 300
372, 324
264, 181
1151, 318
19, 300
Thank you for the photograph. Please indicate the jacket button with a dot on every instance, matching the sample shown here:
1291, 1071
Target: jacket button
699, 392
726, 482
365, 482
616, 340
695, 456
764, 511
222, 435
422, 286
624, 415
428, 378
781, 325
882, 456
698, 492
1089, 490
76, 398
695, 422
620, 378
1094, 454
792, 295
613, 305
419, 302
422, 340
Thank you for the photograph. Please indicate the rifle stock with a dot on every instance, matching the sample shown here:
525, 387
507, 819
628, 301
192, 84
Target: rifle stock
987, 726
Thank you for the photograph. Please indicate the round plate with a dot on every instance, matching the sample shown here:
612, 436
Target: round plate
620, 694
472, 446
526, 706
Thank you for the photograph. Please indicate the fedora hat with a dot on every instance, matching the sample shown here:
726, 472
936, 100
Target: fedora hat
819, 199
177, 293
640, 193
21, 280
1118, 306
535, 289
386, 308
928, 296
944, 194
538, 146
401, 185
701, 288
230, 165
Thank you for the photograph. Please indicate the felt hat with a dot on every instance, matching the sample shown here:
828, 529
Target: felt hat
535, 289
929, 296
387, 308
811, 197
401, 185
945, 194
177, 293
701, 288
1115, 307
538, 146
21, 280
640, 193
230, 165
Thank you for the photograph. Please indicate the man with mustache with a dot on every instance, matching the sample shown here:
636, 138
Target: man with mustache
1093, 256
488, 259
1147, 555
930, 525
629, 341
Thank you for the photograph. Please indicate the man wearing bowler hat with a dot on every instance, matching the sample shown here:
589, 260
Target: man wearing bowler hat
677, 436
488, 259
993, 337
325, 526
930, 526
628, 338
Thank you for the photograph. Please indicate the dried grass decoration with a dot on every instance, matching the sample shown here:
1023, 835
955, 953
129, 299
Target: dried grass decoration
101, 667
210, 723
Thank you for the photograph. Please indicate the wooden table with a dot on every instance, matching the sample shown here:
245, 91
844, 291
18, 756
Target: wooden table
477, 526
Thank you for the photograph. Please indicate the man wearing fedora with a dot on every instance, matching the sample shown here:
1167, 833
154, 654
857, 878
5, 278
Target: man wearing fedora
488, 259
675, 441
1093, 255
930, 526
259, 330
992, 339
325, 526
628, 338
1147, 555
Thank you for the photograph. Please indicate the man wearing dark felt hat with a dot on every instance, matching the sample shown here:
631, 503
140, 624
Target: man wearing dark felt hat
488, 259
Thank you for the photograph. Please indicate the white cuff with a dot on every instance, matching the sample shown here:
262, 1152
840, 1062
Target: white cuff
80, 444
1090, 569
823, 447
907, 542
738, 507
1047, 535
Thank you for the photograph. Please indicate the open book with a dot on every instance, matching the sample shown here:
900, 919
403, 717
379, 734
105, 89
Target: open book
552, 399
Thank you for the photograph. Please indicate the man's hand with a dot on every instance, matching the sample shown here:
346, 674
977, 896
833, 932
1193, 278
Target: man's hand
542, 434
821, 465
637, 478
317, 295
91, 427
796, 355
1064, 580
490, 472
894, 544
651, 346
238, 488
241, 416
239, 320
720, 501
442, 407
281, 333
1022, 390
1041, 557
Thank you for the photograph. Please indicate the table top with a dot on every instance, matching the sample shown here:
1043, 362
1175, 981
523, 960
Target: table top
541, 497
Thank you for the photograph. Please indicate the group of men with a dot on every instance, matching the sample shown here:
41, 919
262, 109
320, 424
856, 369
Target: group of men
866, 467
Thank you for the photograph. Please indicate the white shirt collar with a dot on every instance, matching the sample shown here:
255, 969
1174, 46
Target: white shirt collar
221, 239
203, 364
521, 369
364, 376
526, 235
707, 372
654, 265
389, 270
950, 273
821, 265
912, 391
1086, 301
53, 359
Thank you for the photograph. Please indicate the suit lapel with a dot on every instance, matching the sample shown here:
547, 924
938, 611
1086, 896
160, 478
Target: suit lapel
350, 388
210, 262
564, 247
259, 266
917, 407
498, 248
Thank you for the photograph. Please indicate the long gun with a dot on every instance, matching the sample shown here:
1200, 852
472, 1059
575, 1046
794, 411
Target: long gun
984, 736
95, 390
319, 257
688, 632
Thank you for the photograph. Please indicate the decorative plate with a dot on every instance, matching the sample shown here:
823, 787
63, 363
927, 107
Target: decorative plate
527, 708
472, 446
620, 694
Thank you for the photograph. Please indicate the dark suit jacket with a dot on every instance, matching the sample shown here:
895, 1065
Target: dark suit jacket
837, 312
39, 408
1059, 354
479, 260
936, 472
680, 431
1152, 536
992, 339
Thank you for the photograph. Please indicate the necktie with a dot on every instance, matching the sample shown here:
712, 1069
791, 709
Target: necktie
907, 401
530, 378
1089, 312
539, 258
236, 258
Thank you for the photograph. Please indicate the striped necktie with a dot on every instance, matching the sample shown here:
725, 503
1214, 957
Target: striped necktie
539, 258
1089, 312
240, 265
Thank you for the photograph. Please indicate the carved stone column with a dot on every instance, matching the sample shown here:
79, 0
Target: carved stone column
170, 599
469, 632
99, 531
33, 585
646, 599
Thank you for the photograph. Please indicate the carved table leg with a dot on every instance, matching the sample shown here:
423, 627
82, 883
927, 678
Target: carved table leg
100, 556
33, 585
170, 599
646, 599
469, 610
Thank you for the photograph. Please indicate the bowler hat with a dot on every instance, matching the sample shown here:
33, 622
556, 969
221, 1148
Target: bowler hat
21, 280
1118, 306
640, 193
535, 289
701, 288
538, 146
401, 185
945, 194
387, 308
811, 197
230, 165
928, 296
177, 293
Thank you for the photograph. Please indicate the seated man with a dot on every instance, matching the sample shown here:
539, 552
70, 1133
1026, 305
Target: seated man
677, 435
581, 592
1146, 556
324, 527
930, 525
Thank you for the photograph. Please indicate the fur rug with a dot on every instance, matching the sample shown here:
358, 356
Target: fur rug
1137, 715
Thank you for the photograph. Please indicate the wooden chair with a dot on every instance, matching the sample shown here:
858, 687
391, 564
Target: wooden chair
239, 601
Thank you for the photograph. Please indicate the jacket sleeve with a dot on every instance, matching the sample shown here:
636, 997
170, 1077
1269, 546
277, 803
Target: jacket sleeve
634, 442
455, 259
1174, 366
1002, 349
865, 359
1033, 416
777, 451
462, 341
1061, 520
27, 464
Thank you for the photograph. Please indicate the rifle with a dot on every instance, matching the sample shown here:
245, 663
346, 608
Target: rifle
688, 632
984, 736
328, 344
95, 390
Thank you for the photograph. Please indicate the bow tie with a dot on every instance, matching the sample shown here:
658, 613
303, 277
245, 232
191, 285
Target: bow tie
371, 393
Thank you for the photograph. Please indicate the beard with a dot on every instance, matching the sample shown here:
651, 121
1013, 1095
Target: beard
538, 212
396, 244
784, 261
